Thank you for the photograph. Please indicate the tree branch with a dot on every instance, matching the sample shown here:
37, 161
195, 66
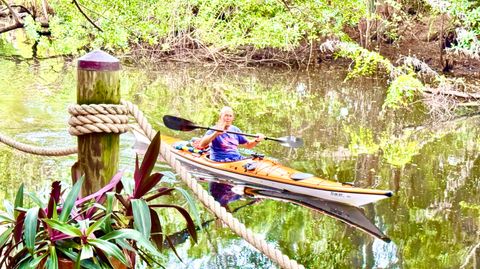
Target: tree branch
14, 14
85, 15
11, 27
45, 9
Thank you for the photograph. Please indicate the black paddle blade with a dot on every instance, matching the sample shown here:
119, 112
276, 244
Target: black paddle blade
291, 141
179, 124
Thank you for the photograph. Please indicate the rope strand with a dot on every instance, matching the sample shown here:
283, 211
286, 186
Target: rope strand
37, 150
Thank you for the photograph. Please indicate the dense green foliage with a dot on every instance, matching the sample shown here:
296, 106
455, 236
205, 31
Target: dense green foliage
220, 24
402, 90
237, 29
224, 24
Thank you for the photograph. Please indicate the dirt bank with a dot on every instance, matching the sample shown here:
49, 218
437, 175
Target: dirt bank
425, 40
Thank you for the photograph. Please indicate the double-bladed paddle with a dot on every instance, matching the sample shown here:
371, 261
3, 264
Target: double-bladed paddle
179, 124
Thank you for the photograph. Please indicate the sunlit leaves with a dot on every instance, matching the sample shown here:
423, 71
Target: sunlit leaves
402, 91
141, 217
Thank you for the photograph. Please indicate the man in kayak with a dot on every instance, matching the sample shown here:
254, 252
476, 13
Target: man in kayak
223, 145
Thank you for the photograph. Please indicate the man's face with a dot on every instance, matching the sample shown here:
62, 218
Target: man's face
227, 117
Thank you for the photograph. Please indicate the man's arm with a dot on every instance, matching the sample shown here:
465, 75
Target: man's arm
208, 138
253, 142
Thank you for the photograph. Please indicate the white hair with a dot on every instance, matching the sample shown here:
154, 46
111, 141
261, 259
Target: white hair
225, 109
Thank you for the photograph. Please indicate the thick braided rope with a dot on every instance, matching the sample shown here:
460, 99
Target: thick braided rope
37, 150
98, 118
239, 228
85, 119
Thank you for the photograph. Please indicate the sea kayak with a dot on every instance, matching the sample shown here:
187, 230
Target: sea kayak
260, 171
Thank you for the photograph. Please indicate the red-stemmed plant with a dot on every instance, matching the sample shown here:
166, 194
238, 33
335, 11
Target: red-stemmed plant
93, 231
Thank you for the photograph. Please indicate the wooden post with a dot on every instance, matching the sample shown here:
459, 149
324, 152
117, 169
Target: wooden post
98, 83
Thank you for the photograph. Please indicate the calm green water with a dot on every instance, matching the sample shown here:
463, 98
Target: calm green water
433, 167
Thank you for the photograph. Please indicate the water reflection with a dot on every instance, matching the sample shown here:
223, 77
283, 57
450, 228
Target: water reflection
354, 216
351, 215
222, 193
224, 197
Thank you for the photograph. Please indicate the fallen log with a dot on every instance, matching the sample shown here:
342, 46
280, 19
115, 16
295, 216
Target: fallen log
458, 94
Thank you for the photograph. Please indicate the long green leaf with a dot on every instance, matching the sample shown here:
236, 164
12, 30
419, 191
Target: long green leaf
30, 226
124, 245
70, 200
52, 262
36, 199
34, 262
87, 252
63, 227
83, 225
25, 262
5, 236
68, 244
4, 219
192, 205
141, 217
132, 235
18, 199
109, 202
128, 185
108, 211
109, 249
95, 225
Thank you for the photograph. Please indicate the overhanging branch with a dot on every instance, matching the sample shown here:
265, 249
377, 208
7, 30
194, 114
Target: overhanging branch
14, 14
85, 15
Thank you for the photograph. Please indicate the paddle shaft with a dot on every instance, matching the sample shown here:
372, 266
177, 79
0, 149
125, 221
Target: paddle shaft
230, 132
179, 124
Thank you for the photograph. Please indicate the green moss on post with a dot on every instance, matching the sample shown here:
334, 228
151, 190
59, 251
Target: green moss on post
98, 83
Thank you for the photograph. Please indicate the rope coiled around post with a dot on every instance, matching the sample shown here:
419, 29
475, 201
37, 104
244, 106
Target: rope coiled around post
95, 118
101, 118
